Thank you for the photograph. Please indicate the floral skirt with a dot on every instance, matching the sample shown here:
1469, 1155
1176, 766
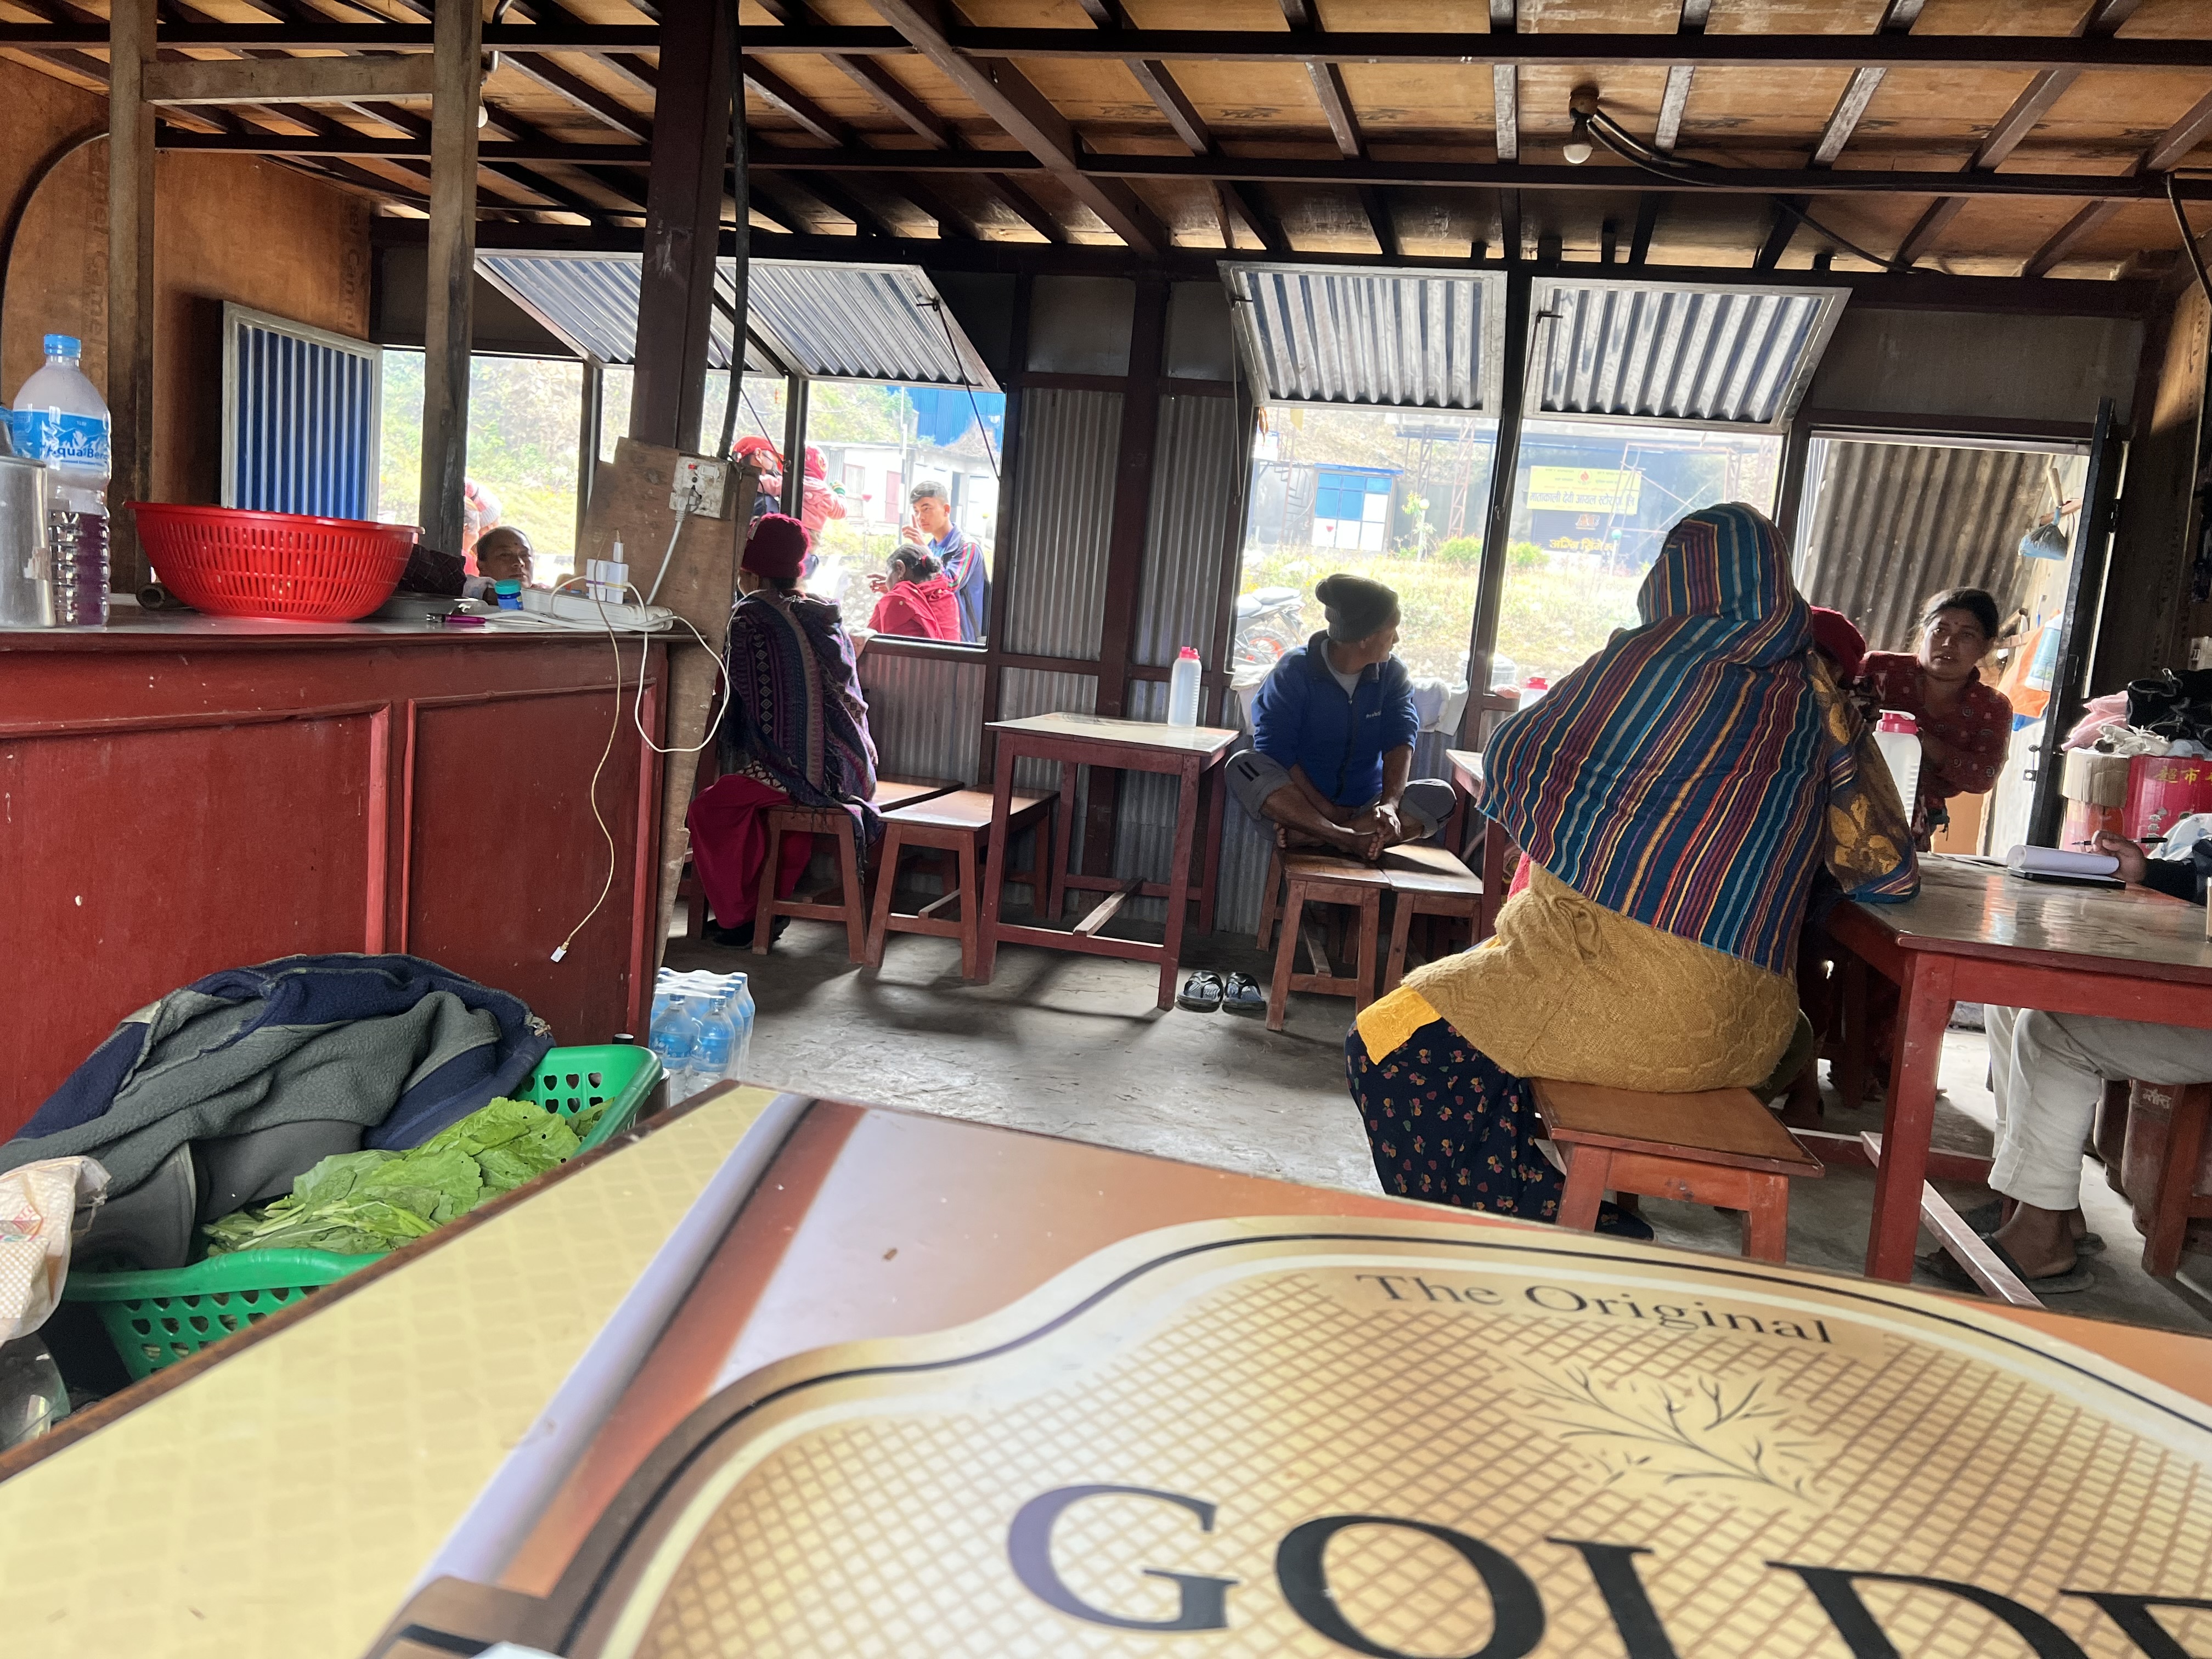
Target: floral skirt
1447, 1124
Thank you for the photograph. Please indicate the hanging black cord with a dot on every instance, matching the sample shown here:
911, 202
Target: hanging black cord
2188, 236
740, 193
1686, 170
983, 431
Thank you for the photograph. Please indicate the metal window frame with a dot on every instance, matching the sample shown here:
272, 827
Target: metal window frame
235, 316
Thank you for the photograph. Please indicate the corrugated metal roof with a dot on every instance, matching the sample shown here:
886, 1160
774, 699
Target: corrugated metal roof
1394, 339
1676, 351
1893, 523
1063, 519
1196, 463
829, 321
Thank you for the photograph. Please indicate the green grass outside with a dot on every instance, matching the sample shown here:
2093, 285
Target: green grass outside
1551, 618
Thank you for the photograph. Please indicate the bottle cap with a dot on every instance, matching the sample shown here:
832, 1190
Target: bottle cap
1538, 683
1896, 719
509, 586
1188, 654
64, 345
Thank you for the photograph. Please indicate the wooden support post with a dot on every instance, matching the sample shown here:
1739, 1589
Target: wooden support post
683, 223
591, 410
130, 282
794, 448
1125, 552
449, 312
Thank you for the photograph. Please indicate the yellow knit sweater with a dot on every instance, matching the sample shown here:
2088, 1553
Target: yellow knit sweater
1571, 990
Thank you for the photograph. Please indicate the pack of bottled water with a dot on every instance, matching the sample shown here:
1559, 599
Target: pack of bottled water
702, 1029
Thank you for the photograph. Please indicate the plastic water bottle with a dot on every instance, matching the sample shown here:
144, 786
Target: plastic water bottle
741, 1016
710, 1061
1182, 690
60, 418
1534, 690
675, 1040
1897, 736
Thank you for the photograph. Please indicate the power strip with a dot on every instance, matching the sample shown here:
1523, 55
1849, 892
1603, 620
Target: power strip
598, 613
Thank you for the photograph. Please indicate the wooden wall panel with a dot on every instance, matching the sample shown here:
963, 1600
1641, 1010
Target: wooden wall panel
504, 856
140, 857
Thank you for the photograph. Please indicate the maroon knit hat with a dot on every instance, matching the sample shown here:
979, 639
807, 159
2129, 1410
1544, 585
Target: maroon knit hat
1837, 636
777, 547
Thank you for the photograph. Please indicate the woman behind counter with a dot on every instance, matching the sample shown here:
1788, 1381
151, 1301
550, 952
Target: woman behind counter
1672, 797
1964, 724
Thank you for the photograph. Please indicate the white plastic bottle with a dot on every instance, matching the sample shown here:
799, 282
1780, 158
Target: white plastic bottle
1534, 689
1182, 690
675, 1039
1897, 736
718, 1039
60, 418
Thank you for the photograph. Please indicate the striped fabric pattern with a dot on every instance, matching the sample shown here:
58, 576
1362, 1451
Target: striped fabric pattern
1680, 776
797, 718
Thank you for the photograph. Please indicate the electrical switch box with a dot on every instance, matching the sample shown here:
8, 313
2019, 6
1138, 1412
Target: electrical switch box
699, 487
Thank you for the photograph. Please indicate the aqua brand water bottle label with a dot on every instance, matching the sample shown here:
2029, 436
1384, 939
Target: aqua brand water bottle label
77, 441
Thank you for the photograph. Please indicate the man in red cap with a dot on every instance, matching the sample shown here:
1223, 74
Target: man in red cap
795, 728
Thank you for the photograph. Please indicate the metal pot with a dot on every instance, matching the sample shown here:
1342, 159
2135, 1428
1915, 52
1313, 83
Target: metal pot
26, 589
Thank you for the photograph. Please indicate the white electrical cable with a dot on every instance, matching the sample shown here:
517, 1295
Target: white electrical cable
682, 513
637, 718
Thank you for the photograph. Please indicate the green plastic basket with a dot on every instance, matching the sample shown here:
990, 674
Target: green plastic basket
157, 1318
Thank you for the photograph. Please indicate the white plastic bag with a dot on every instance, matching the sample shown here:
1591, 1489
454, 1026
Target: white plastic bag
43, 1207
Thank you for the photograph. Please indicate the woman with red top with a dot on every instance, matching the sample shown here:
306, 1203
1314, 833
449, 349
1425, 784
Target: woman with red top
917, 602
1964, 724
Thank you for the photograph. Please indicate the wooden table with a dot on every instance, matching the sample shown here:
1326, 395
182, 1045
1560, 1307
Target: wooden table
1193, 755
1976, 934
1467, 776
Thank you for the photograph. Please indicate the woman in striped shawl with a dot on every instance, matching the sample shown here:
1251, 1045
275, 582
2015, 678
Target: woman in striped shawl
1674, 798
795, 729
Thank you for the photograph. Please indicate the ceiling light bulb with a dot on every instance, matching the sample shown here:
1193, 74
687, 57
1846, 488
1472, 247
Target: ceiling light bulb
484, 119
1576, 151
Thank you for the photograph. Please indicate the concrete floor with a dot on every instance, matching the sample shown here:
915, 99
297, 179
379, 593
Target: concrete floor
1072, 1045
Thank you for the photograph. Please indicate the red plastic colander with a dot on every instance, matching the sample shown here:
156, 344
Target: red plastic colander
230, 563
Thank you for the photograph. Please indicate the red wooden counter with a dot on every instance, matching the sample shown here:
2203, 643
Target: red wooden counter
179, 794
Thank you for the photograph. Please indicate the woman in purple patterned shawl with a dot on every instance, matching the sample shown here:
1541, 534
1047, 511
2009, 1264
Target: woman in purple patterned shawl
796, 730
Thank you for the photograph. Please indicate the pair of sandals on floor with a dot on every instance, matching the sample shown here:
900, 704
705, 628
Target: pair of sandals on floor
1985, 1220
1206, 992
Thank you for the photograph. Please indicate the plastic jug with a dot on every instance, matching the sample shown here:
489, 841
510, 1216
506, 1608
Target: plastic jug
1182, 690
60, 418
1898, 737
1536, 688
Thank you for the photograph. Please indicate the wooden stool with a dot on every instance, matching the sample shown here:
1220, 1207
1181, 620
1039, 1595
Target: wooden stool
1722, 1147
1425, 881
1320, 878
849, 902
2165, 1167
956, 823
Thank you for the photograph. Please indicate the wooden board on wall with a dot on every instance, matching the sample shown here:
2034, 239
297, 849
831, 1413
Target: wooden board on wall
629, 502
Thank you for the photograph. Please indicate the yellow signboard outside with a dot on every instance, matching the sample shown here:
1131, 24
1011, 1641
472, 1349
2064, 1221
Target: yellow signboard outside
1583, 489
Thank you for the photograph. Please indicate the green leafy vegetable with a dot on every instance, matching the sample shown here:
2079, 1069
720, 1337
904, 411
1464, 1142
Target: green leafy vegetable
362, 1203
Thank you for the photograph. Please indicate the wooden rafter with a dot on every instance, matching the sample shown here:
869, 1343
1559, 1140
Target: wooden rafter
1896, 18
2034, 102
2173, 145
1675, 101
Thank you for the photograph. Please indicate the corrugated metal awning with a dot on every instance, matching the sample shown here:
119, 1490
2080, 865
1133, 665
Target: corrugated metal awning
847, 322
1392, 339
1676, 351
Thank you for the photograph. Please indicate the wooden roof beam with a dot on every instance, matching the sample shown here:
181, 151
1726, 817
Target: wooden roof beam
1676, 98
610, 110
813, 119
2027, 110
2173, 147
1009, 97
1898, 18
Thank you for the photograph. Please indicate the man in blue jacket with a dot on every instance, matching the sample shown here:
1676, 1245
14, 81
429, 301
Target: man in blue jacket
1333, 734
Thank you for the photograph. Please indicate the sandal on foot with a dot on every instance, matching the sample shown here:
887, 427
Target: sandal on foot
1939, 1264
1617, 1223
1240, 994
1986, 1218
1200, 992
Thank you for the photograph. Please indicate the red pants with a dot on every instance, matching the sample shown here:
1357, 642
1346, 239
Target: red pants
729, 841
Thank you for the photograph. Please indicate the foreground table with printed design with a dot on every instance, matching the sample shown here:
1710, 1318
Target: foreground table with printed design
1976, 933
1191, 755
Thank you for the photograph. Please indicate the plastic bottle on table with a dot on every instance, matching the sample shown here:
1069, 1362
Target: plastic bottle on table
60, 418
675, 1040
1897, 736
1536, 688
1182, 690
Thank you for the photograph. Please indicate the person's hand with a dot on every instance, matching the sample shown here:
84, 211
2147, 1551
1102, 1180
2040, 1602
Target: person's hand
2134, 866
1388, 821
879, 584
